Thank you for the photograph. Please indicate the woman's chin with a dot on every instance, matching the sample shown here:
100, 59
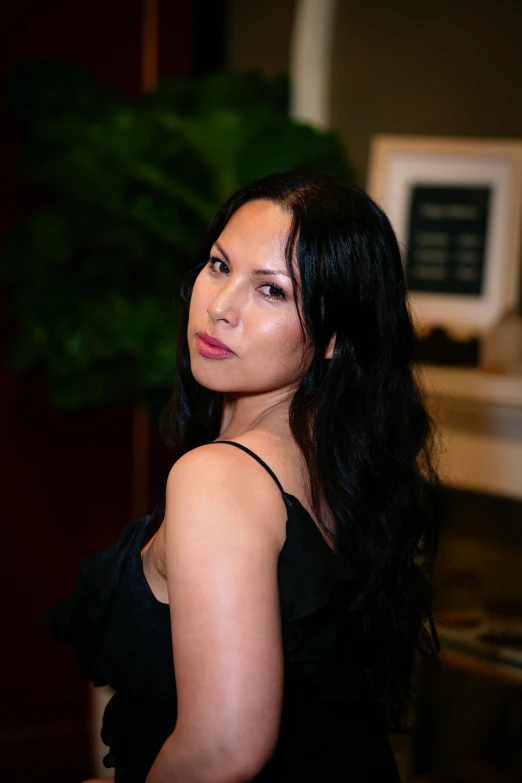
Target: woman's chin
213, 380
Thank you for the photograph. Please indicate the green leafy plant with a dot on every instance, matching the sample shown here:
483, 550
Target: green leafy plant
122, 193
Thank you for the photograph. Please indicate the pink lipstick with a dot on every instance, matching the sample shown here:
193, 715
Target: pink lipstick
211, 347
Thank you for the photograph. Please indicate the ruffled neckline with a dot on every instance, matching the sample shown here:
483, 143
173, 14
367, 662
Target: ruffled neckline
114, 611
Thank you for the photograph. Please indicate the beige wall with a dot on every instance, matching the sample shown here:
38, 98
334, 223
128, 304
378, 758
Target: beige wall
451, 67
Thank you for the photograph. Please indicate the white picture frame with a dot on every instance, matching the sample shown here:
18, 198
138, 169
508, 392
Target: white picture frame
401, 165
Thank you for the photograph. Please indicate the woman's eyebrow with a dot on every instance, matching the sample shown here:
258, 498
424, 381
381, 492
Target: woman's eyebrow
270, 272
258, 272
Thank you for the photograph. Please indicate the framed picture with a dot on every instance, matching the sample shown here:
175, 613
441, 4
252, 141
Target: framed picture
456, 207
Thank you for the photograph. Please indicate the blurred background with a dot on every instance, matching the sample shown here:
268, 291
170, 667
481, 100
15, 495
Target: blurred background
125, 126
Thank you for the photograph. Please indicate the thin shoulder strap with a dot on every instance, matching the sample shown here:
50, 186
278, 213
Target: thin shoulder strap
254, 455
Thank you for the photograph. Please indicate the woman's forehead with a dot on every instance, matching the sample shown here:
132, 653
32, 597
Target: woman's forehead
259, 230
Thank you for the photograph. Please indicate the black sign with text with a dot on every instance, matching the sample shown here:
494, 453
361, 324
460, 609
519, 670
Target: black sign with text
447, 239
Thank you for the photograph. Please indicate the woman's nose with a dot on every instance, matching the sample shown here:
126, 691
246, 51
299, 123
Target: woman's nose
225, 306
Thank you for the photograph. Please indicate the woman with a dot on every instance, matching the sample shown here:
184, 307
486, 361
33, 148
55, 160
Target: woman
267, 630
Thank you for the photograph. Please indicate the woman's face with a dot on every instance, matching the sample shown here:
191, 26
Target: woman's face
244, 298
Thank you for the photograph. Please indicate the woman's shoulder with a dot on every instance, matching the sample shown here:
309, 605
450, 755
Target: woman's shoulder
223, 482
220, 461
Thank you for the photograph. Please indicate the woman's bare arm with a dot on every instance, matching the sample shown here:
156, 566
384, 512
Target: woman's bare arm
223, 525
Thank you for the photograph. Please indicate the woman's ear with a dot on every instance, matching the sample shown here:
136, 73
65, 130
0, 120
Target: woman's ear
330, 348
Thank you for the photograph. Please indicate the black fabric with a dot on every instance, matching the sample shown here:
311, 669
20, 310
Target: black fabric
332, 728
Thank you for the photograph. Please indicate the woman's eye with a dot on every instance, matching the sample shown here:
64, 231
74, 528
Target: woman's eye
214, 265
274, 291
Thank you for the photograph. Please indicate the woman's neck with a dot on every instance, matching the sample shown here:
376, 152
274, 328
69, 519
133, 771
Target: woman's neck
245, 412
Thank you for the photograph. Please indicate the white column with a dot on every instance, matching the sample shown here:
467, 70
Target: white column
310, 59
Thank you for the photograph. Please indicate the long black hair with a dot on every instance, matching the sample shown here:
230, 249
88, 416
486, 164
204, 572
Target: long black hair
358, 417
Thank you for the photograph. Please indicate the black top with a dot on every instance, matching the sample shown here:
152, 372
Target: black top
332, 727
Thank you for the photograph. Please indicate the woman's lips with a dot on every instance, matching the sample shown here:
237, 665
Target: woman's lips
210, 351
